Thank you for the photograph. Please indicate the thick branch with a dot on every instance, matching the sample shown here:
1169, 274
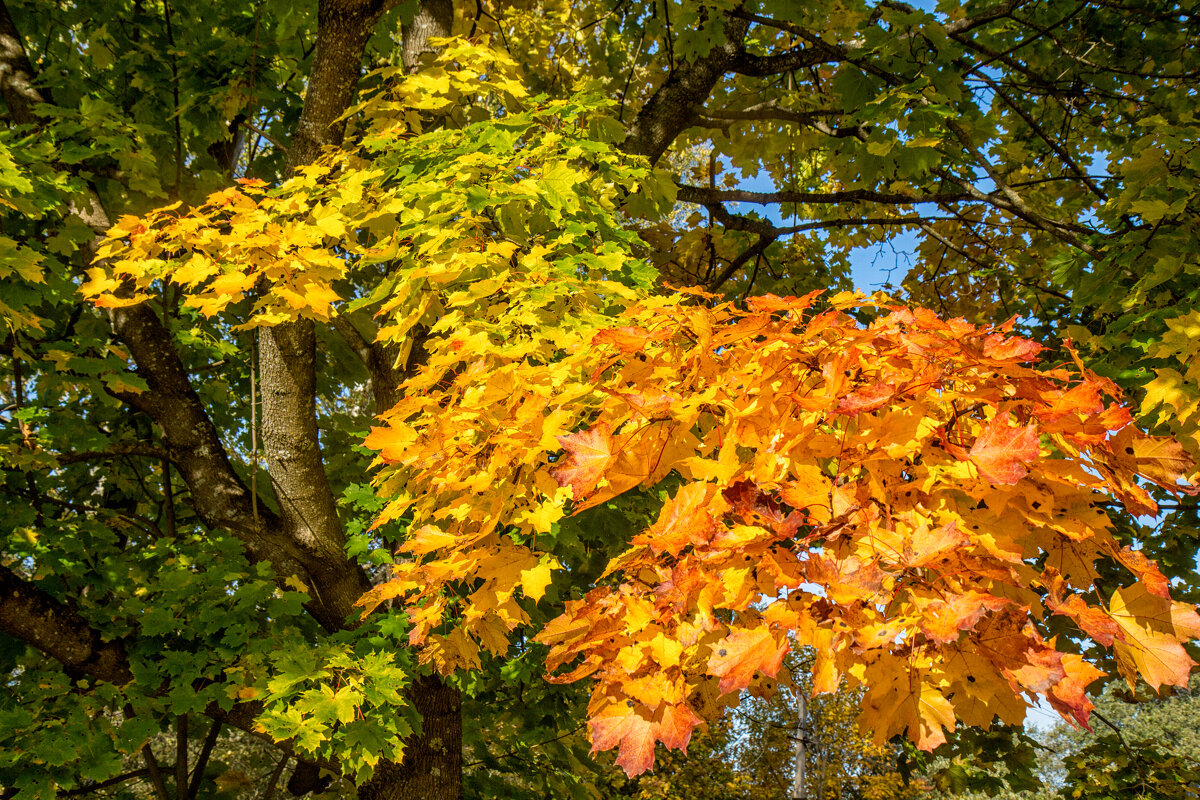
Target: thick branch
30, 614
738, 222
287, 358
219, 497
343, 28
678, 101
33, 616
380, 359
752, 252
433, 19
756, 66
771, 113
287, 353
16, 73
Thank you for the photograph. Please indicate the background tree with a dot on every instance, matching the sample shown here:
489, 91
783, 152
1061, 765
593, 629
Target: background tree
750, 753
187, 523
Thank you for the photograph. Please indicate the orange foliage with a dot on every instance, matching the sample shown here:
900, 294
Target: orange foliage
910, 496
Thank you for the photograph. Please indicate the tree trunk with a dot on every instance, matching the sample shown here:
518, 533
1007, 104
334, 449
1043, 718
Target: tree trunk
432, 764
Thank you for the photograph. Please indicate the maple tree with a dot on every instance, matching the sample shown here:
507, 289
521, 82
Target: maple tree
226, 255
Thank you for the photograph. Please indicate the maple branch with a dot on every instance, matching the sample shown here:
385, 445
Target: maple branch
677, 102
754, 251
218, 495
116, 451
273, 140
156, 778
526, 748
273, 779
738, 222
705, 196
380, 359
29, 613
287, 352
114, 781
809, 119
1016, 204
1062, 231
1050, 141
756, 66
210, 741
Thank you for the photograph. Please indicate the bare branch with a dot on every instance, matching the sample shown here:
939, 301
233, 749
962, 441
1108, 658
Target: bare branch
752, 252
116, 451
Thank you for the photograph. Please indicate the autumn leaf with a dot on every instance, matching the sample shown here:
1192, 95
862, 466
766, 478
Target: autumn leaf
684, 520
535, 580
1158, 458
1003, 452
588, 454
622, 726
676, 724
943, 620
1152, 629
736, 658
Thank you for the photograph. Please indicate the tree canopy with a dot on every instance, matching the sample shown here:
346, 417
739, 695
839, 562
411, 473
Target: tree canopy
419, 386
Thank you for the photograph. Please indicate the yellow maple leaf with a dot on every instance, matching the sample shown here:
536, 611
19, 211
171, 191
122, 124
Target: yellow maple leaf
1153, 629
534, 581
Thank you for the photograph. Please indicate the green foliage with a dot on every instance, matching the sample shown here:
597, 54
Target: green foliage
334, 703
1112, 769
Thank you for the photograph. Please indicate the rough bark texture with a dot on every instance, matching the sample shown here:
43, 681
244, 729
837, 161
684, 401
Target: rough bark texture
287, 357
432, 766
344, 26
16, 73
433, 19
287, 353
677, 102
33, 616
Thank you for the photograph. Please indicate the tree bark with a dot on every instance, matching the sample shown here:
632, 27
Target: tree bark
16, 73
433, 19
432, 764
677, 102
34, 617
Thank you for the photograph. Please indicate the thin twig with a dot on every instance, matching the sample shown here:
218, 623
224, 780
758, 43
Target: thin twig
210, 741
278, 145
273, 781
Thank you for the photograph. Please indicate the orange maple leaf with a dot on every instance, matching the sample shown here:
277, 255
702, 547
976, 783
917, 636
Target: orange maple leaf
1002, 452
1152, 629
684, 520
739, 655
589, 452
621, 725
675, 727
